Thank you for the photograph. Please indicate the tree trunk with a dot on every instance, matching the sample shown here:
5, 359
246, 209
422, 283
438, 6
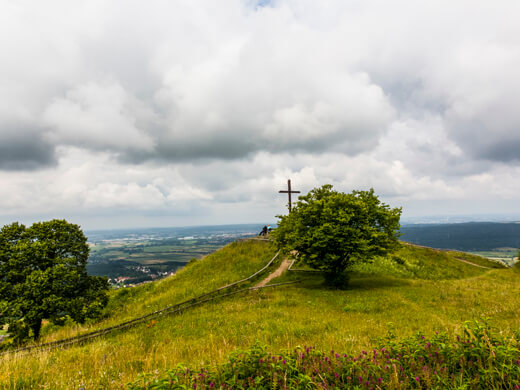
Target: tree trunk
36, 326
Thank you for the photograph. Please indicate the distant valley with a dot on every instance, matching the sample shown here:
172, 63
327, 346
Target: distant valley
132, 256
497, 240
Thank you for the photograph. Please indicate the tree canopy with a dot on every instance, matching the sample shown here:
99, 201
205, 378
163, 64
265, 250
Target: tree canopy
332, 230
43, 276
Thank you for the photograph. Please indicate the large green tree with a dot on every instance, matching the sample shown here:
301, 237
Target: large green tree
43, 276
332, 230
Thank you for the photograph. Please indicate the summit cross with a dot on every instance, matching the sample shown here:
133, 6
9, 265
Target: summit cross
289, 192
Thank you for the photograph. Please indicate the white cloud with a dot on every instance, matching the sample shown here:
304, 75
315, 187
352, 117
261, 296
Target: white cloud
99, 117
196, 107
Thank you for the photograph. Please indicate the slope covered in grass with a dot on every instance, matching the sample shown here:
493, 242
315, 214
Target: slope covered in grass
415, 289
234, 262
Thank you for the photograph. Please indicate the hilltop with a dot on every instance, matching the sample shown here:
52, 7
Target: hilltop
414, 289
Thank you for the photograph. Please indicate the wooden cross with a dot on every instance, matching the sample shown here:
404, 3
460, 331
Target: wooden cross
289, 192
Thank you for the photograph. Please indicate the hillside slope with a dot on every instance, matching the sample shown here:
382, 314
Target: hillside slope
413, 289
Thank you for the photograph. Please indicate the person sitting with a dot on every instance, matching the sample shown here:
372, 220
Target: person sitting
264, 231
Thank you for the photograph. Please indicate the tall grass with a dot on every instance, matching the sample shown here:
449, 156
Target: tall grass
234, 262
476, 358
423, 291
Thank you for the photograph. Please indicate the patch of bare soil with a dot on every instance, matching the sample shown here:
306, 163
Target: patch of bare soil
280, 270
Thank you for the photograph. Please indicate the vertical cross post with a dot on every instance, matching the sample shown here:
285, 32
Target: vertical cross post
289, 192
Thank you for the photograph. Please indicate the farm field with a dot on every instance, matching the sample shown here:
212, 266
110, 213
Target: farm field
129, 257
415, 289
506, 255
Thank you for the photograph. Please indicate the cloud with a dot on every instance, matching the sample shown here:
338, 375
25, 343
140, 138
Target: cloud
184, 81
179, 108
204, 82
23, 148
99, 117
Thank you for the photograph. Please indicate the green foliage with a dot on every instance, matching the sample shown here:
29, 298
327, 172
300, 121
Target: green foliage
332, 230
43, 274
478, 357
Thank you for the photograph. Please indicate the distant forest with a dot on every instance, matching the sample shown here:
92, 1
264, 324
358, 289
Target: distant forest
472, 236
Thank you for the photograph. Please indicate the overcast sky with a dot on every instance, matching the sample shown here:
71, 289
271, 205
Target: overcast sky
187, 112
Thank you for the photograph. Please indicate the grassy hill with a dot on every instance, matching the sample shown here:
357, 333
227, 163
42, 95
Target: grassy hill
415, 289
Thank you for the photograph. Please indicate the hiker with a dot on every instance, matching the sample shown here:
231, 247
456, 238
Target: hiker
264, 231
269, 228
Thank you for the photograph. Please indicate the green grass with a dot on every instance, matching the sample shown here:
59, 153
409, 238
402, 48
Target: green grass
413, 290
225, 266
478, 357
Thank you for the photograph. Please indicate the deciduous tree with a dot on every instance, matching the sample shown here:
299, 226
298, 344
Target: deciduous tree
332, 230
43, 276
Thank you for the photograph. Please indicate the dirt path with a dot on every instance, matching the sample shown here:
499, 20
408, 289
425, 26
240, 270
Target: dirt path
281, 269
469, 262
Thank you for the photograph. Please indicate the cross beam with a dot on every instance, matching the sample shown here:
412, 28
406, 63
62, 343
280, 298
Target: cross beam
289, 192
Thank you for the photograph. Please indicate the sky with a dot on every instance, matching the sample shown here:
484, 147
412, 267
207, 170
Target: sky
190, 112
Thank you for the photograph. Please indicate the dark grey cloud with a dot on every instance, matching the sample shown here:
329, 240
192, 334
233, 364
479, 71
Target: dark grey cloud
505, 151
24, 149
488, 138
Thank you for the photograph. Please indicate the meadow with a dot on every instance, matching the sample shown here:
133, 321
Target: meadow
413, 290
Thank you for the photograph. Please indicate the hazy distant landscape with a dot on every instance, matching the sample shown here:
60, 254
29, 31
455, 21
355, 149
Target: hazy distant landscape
498, 240
131, 256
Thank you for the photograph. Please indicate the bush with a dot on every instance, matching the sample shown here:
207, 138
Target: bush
332, 231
